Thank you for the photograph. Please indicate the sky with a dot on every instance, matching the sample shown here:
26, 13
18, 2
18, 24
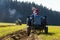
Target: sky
51, 4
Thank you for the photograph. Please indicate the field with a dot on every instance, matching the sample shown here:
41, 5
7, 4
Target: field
9, 28
54, 33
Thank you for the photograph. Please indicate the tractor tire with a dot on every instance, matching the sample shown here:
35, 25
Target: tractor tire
28, 31
46, 30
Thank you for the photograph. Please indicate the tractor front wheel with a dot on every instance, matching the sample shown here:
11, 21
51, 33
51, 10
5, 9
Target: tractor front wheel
28, 31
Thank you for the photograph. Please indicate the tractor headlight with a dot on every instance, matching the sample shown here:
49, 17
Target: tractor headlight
27, 26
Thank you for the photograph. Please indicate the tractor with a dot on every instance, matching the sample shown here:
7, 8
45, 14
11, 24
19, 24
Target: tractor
18, 22
35, 22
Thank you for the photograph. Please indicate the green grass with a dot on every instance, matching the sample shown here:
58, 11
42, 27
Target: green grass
54, 31
10, 29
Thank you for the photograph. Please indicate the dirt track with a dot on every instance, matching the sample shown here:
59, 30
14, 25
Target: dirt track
21, 35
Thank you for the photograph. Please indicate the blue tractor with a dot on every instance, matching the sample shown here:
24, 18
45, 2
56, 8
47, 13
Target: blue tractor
35, 22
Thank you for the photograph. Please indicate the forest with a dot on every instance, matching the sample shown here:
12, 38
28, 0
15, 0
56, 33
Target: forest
10, 11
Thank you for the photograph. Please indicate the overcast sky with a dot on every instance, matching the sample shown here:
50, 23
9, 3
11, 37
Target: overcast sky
54, 4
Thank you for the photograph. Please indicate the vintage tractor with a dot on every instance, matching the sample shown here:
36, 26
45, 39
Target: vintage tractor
18, 22
36, 23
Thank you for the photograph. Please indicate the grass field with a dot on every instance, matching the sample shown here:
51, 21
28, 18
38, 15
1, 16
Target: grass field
8, 28
54, 31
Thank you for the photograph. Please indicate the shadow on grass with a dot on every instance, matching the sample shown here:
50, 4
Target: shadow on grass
49, 33
6, 25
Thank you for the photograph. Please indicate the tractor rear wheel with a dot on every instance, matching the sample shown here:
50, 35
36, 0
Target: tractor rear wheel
46, 30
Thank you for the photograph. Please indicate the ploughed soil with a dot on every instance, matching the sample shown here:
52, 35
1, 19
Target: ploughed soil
21, 35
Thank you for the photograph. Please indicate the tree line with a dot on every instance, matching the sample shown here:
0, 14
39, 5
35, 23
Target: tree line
10, 11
